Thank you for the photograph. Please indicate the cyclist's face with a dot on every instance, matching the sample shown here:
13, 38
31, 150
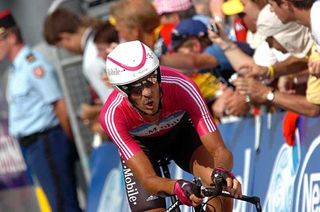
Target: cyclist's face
146, 94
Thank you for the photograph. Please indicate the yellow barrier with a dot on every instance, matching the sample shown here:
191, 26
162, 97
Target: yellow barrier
42, 200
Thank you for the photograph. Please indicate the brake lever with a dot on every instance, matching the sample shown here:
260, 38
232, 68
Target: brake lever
251, 199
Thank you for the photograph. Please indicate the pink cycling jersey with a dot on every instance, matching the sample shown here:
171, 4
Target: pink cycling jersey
122, 121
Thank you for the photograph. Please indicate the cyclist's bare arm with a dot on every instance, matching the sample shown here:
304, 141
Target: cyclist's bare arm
222, 158
221, 155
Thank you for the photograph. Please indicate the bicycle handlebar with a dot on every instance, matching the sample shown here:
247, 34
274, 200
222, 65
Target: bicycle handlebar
213, 192
217, 190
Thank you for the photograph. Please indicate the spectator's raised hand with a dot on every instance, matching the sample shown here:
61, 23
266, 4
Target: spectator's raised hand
256, 90
220, 37
236, 105
253, 70
219, 106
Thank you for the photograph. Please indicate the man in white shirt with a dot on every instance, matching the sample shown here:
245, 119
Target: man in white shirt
65, 29
305, 13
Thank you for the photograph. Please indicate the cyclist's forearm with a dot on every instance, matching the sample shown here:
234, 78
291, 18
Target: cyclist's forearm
143, 171
159, 186
223, 158
221, 155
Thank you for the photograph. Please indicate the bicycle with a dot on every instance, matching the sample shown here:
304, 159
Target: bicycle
210, 192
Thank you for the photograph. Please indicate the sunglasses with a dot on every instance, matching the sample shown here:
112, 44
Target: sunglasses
137, 87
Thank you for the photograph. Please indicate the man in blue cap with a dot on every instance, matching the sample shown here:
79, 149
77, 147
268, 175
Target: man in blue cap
38, 117
191, 36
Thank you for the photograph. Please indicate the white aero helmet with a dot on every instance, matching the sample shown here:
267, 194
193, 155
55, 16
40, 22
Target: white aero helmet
129, 62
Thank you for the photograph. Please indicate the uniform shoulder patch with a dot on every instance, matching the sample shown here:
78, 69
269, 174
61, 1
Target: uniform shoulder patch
30, 58
38, 72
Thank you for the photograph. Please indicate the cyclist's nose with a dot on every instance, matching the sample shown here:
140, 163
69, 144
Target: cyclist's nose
146, 91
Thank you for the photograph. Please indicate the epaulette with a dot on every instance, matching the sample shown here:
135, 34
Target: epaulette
31, 58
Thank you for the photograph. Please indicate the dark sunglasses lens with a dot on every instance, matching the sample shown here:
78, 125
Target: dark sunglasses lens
136, 90
138, 87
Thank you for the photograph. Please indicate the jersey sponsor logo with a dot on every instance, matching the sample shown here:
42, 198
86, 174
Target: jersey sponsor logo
166, 123
38, 72
308, 189
131, 186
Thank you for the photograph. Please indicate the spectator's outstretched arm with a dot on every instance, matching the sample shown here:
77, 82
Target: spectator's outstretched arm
296, 103
190, 63
258, 93
289, 66
235, 55
245, 64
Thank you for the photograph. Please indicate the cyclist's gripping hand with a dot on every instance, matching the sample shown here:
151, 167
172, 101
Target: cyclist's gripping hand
188, 193
232, 184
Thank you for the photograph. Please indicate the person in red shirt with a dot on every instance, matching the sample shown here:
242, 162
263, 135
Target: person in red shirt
158, 112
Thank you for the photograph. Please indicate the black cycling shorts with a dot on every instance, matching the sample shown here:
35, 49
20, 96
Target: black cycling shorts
178, 144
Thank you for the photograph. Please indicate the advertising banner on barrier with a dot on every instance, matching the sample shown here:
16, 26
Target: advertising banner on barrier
285, 177
12, 166
16, 190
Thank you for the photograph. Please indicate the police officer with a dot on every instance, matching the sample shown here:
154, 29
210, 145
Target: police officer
38, 117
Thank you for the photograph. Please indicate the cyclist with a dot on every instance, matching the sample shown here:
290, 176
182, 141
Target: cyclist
157, 112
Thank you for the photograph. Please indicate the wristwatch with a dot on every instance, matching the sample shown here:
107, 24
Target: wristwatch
270, 95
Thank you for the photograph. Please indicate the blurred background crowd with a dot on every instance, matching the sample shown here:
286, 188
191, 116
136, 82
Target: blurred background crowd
248, 57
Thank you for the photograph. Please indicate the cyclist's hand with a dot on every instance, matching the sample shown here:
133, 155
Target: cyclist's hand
188, 193
233, 186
